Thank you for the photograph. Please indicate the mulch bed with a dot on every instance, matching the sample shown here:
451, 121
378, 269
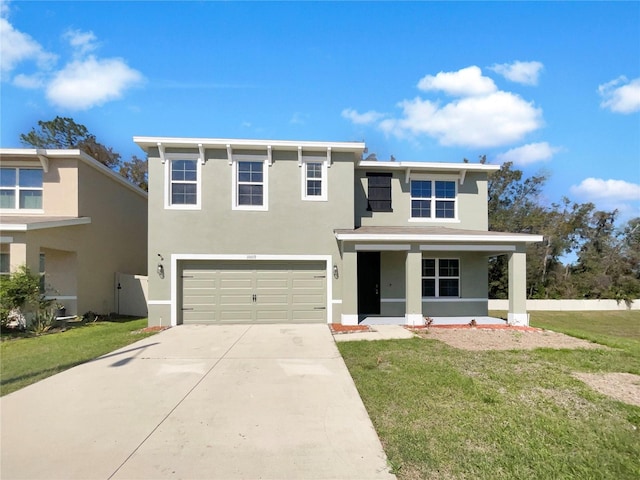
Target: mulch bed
153, 329
484, 327
337, 328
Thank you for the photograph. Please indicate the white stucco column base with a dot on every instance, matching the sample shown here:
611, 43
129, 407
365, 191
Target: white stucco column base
413, 319
347, 319
518, 319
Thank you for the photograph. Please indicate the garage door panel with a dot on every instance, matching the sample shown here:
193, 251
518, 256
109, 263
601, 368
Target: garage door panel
259, 292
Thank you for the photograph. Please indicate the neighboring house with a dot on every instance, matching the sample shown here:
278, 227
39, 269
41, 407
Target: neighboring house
73, 221
288, 231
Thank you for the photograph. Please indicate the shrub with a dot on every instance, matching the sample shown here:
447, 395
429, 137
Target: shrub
20, 291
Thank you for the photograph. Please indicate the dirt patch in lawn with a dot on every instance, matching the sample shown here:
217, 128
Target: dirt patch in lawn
621, 386
504, 339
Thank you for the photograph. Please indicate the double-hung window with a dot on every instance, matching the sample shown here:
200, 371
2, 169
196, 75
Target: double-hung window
250, 185
21, 188
433, 199
440, 277
183, 182
314, 180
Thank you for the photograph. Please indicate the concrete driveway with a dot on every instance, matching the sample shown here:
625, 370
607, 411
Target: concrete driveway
197, 402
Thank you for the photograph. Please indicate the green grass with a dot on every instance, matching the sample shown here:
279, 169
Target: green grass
27, 360
446, 413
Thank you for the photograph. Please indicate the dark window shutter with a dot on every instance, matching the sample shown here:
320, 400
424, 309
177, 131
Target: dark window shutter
379, 194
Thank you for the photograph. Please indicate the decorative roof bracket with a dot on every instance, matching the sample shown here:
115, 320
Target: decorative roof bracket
328, 156
229, 154
299, 156
161, 150
269, 157
44, 160
202, 158
463, 173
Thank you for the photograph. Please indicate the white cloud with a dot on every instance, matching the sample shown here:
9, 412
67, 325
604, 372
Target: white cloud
526, 73
29, 81
17, 47
83, 84
621, 95
607, 190
482, 117
528, 154
465, 82
480, 121
361, 118
82, 42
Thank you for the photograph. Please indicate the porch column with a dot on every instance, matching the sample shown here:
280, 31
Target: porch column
349, 285
24, 254
413, 282
518, 287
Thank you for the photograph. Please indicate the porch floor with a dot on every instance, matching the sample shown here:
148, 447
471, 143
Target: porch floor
437, 321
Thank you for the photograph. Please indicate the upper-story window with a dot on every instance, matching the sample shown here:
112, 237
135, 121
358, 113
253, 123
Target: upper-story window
20, 188
433, 199
250, 186
314, 180
440, 277
379, 192
183, 182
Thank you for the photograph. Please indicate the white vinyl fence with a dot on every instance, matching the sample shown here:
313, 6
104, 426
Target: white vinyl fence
568, 305
131, 294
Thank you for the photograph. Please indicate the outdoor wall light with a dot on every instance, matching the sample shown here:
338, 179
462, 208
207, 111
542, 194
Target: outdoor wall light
335, 271
160, 267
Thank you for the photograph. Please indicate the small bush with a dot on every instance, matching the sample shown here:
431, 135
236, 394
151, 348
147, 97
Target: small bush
18, 291
42, 321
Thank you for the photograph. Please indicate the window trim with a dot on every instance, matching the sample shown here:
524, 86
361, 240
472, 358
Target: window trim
433, 199
437, 277
171, 157
265, 182
323, 179
17, 189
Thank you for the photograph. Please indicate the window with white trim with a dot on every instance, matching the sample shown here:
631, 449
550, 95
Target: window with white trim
21, 188
433, 199
250, 186
314, 180
440, 277
183, 187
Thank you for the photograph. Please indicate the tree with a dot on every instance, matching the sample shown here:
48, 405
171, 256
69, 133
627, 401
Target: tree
63, 132
136, 172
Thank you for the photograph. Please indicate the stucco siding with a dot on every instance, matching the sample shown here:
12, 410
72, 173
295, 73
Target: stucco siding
289, 226
471, 202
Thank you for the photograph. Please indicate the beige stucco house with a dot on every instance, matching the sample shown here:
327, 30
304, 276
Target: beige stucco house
299, 231
77, 223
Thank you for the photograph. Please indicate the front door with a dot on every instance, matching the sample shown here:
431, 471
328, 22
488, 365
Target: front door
368, 283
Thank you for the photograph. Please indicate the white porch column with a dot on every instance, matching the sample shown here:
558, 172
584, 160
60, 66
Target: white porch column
413, 282
518, 287
349, 285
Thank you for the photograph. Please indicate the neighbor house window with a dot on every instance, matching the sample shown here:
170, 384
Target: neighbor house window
433, 199
440, 277
184, 182
379, 192
21, 188
250, 185
5, 267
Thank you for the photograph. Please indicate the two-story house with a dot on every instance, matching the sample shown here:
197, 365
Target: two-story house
72, 220
300, 231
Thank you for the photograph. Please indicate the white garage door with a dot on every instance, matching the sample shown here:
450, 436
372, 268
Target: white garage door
253, 292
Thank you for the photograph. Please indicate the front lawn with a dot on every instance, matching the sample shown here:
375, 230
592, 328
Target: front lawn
27, 360
449, 413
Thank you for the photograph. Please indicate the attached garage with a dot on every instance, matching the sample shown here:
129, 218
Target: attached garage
256, 291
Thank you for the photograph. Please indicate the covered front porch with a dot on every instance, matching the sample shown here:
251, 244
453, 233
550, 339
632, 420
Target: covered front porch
420, 275
480, 320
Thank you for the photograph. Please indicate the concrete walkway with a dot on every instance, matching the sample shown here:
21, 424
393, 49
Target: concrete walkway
197, 402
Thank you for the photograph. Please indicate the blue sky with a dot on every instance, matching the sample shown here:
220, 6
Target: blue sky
555, 87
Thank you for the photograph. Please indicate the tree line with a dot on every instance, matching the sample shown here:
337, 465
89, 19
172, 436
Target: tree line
604, 258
